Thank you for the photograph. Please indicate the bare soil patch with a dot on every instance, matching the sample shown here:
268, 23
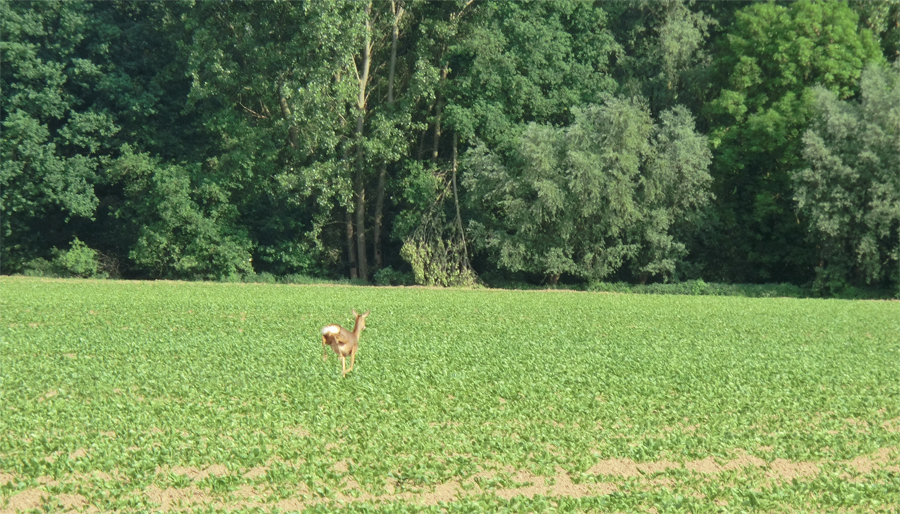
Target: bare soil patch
785, 470
707, 465
26, 500
884, 458
892, 425
172, 498
608, 478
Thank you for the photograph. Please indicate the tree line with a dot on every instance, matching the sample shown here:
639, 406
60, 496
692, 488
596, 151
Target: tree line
441, 141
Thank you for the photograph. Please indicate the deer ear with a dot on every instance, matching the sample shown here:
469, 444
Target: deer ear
354, 313
366, 314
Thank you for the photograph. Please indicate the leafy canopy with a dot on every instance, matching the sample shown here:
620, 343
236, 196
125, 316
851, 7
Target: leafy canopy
850, 190
770, 60
612, 188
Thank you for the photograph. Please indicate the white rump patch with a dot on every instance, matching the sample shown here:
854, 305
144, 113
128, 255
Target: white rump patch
330, 329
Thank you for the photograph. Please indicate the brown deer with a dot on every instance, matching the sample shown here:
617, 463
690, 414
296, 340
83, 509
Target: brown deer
343, 341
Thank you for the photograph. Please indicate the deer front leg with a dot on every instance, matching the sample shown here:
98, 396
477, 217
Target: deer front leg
343, 366
324, 349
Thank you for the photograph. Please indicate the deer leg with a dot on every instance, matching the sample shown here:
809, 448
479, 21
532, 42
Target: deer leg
343, 366
352, 359
324, 349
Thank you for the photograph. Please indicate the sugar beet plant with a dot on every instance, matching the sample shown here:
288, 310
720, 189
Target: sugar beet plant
163, 396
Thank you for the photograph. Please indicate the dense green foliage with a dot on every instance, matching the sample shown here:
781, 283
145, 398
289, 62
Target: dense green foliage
612, 188
771, 58
216, 140
851, 192
133, 396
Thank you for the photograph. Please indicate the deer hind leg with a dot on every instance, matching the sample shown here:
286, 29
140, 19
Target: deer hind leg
352, 358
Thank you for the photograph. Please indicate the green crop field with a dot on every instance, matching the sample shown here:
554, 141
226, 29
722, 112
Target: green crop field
182, 397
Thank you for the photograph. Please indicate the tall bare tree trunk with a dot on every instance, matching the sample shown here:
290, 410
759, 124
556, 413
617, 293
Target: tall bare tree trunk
382, 173
293, 132
397, 11
421, 152
459, 223
348, 217
359, 182
379, 215
361, 228
351, 241
351, 244
439, 108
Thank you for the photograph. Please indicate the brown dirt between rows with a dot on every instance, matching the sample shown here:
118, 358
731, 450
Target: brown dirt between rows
176, 499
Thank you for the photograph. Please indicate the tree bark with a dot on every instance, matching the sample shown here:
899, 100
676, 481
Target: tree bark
379, 216
439, 108
382, 173
359, 182
421, 152
293, 131
361, 229
397, 11
351, 245
459, 224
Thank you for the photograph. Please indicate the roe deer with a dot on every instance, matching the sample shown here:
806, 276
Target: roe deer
343, 341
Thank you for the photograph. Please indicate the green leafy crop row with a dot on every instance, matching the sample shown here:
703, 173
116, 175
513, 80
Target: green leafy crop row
166, 396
